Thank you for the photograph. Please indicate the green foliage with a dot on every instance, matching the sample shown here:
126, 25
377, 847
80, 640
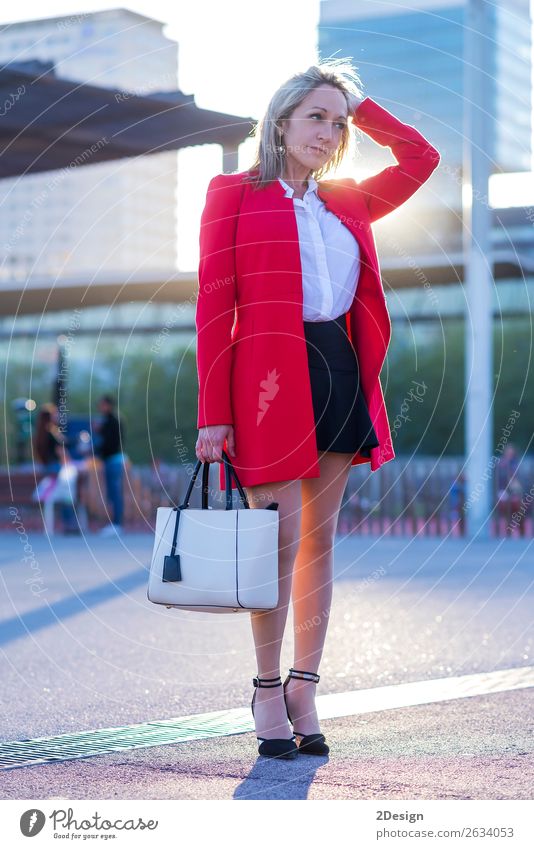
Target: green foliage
514, 381
156, 395
20, 381
430, 419
423, 382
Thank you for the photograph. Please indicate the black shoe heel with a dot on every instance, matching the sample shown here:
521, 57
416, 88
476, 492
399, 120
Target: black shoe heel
278, 747
310, 744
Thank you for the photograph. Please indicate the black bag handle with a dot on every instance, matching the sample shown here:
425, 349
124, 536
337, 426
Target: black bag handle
228, 472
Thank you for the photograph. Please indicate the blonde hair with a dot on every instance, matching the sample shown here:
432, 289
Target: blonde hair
269, 160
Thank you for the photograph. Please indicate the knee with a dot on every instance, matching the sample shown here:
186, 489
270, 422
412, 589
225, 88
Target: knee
318, 541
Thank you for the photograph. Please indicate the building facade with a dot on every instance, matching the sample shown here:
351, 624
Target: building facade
118, 216
411, 59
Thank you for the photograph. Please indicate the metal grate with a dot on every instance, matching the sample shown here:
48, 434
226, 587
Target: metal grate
102, 741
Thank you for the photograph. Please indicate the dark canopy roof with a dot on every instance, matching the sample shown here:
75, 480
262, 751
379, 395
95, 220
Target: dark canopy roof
49, 123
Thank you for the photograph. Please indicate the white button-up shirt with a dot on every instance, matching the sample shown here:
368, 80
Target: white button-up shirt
329, 254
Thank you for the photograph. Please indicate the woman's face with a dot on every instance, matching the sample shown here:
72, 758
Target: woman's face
314, 131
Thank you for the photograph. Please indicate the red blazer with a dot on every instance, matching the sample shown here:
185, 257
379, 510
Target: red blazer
251, 351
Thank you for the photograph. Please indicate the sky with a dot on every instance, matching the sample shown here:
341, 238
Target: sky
217, 40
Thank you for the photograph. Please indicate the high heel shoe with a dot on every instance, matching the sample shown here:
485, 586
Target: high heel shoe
310, 744
276, 747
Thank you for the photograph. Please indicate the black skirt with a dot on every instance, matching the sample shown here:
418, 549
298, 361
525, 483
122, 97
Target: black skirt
342, 420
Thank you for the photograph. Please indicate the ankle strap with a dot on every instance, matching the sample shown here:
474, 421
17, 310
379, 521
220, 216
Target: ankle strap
308, 676
259, 682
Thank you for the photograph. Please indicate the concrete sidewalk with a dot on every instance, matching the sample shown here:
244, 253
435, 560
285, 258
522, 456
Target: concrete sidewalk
91, 652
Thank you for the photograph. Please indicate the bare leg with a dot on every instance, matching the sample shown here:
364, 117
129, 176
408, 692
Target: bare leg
268, 627
312, 581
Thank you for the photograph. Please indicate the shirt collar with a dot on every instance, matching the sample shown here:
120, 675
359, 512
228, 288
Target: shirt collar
312, 187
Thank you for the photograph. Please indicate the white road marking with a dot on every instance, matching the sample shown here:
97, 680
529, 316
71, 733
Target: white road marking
423, 692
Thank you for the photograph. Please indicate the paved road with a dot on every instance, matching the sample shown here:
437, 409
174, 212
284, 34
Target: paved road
86, 650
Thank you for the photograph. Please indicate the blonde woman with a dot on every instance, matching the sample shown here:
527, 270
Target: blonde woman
292, 332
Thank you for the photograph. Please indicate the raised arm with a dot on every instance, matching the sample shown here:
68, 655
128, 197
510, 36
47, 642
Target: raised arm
215, 309
416, 158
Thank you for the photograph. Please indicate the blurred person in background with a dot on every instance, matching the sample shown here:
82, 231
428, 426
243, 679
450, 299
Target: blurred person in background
510, 490
50, 448
111, 434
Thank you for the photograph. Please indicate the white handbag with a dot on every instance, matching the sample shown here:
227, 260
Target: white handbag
44, 488
60, 487
216, 561
66, 482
